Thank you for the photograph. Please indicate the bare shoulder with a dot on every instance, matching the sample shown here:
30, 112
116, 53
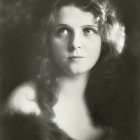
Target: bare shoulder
23, 99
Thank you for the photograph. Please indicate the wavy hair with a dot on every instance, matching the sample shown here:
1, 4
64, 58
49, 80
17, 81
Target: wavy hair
100, 86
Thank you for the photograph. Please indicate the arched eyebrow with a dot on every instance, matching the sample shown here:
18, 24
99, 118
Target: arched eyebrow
62, 25
92, 26
57, 26
88, 25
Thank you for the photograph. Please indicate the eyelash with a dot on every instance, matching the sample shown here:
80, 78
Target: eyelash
60, 32
86, 31
89, 31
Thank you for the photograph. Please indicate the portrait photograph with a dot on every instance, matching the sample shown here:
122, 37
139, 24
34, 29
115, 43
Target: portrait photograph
69, 70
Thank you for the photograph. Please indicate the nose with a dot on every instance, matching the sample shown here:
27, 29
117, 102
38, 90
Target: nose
76, 41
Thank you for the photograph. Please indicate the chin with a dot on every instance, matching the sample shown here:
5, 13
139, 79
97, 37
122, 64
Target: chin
77, 72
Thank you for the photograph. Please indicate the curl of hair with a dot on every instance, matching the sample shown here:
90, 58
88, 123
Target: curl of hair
100, 87
111, 30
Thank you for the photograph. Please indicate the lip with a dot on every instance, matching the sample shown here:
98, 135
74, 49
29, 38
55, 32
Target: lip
76, 57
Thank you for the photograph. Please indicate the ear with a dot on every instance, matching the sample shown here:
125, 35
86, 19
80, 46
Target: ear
23, 100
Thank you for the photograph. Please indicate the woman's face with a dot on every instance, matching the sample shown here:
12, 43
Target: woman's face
75, 42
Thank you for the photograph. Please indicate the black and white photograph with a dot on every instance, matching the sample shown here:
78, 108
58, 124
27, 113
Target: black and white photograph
69, 70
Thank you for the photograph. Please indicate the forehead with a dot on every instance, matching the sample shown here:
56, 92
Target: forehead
72, 15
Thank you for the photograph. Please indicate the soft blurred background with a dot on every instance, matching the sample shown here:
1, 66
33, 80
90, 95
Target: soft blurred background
20, 41
20, 47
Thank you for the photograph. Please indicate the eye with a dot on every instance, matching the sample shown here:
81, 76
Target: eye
89, 31
63, 32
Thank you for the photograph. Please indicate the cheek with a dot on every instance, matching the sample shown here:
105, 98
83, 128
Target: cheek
58, 48
94, 49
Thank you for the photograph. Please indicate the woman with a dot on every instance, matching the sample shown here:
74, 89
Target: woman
83, 39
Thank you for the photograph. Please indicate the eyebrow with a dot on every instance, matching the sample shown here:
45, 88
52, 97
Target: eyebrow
88, 25
92, 26
65, 25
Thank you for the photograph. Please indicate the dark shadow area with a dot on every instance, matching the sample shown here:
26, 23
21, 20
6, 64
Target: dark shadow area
20, 50
20, 43
130, 10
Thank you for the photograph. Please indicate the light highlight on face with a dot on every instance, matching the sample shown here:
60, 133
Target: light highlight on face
75, 42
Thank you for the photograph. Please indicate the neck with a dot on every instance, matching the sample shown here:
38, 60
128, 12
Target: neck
73, 87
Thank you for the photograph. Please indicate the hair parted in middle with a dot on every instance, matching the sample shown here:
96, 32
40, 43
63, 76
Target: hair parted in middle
103, 78
111, 30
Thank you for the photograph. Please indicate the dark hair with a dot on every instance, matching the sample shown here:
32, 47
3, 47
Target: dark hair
100, 85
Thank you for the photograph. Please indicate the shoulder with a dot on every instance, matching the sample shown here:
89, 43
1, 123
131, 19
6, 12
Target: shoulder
25, 120
23, 99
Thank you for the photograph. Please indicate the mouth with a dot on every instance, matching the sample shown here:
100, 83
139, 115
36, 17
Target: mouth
74, 58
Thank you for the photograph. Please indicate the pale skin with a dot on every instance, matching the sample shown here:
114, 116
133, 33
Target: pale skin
75, 34
76, 47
